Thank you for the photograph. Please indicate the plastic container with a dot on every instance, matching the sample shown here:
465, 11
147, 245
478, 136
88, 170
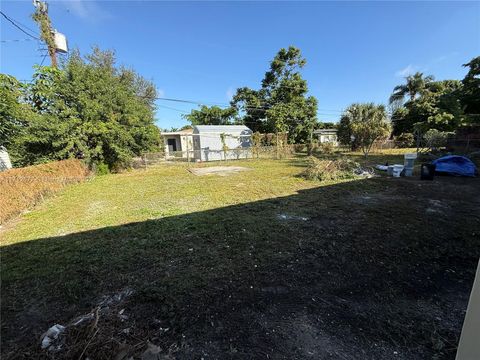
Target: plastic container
409, 162
390, 170
427, 171
397, 170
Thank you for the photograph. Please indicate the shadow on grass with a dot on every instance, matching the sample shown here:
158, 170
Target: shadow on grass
355, 270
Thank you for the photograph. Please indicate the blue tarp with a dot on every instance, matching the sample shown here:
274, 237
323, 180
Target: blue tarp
455, 165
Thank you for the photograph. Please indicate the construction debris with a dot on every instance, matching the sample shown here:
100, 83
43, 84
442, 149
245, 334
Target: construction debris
51, 335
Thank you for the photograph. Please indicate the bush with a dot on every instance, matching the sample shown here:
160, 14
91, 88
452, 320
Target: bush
22, 188
435, 139
102, 169
405, 140
327, 170
327, 148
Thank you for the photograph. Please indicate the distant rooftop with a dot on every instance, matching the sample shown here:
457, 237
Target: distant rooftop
180, 132
325, 131
220, 128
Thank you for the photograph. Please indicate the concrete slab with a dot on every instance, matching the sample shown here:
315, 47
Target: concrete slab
218, 170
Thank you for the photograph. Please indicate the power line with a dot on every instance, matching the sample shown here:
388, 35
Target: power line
14, 23
44, 57
175, 109
15, 40
200, 103
26, 27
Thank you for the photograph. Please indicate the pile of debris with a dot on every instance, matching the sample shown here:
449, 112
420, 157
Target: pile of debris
85, 335
335, 169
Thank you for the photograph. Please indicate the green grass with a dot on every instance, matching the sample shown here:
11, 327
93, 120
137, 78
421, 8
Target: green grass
195, 245
162, 191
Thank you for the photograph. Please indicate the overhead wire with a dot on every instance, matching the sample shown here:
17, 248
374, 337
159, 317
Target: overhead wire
19, 27
15, 40
200, 103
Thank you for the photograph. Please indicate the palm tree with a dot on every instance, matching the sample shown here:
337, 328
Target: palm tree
362, 124
416, 84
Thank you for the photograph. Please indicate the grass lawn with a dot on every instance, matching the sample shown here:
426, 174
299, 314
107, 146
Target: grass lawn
258, 264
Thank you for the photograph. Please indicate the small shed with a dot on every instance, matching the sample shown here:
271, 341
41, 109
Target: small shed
326, 136
221, 142
177, 143
5, 162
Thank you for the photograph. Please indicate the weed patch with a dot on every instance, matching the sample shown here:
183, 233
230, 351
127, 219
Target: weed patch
22, 188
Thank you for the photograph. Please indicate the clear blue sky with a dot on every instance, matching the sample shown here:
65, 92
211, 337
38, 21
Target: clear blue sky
355, 51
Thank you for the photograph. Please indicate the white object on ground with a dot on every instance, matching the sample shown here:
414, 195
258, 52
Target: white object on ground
291, 217
397, 170
381, 167
51, 335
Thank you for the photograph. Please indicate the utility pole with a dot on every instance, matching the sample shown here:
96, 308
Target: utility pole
46, 33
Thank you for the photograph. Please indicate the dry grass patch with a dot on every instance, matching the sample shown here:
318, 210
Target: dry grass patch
23, 188
330, 169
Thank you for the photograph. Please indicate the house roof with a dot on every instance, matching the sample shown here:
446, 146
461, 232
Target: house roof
218, 129
325, 131
181, 132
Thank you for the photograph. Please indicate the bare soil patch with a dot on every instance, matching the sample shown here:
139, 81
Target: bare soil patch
218, 170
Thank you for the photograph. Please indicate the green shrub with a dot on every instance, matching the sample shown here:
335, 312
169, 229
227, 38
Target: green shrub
102, 169
327, 148
435, 139
405, 140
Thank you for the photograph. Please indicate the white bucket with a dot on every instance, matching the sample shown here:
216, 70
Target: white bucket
409, 163
397, 170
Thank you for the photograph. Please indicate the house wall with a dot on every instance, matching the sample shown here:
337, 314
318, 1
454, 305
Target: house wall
183, 142
324, 138
5, 163
209, 146
187, 143
177, 142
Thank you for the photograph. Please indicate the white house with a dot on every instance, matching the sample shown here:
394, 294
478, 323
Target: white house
209, 146
5, 163
178, 143
327, 136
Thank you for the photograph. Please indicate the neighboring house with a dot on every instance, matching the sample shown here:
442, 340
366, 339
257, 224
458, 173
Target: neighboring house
5, 163
208, 144
177, 143
326, 136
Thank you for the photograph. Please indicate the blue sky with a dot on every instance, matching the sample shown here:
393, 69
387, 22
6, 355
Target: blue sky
203, 51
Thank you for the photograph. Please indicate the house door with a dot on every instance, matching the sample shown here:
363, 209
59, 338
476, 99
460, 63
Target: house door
172, 145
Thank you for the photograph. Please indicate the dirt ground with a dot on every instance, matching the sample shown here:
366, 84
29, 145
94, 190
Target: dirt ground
217, 170
373, 269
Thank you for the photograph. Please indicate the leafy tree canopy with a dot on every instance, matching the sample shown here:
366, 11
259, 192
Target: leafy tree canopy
439, 107
14, 113
89, 108
470, 96
281, 104
364, 123
213, 115
416, 84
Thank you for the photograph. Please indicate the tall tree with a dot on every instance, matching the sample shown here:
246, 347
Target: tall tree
13, 112
438, 107
366, 123
281, 104
416, 84
90, 109
471, 90
213, 115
